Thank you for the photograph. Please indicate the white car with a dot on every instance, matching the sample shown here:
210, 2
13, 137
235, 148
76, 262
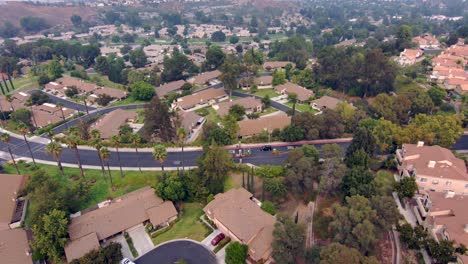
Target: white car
126, 261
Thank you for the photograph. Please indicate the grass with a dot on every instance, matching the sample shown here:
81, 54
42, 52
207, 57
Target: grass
385, 180
211, 116
25, 83
268, 110
229, 183
188, 226
302, 107
101, 189
264, 92
128, 100
104, 81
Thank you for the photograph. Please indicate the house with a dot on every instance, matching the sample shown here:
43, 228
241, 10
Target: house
14, 246
205, 78
47, 114
273, 65
200, 99
250, 104
238, 216
302, 93
111, 92
445, 216
252, 127
435, 168
62, 84
82, 86
410, 56
112, 217
326, 102
427, 41
264, 82
191, 122
109, 125
170, 87
19, 100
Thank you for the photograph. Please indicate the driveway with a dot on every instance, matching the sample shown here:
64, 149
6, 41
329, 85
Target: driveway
207, 241
190, 251
126, 253
141, 239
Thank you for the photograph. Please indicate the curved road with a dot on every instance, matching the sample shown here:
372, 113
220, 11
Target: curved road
171, 252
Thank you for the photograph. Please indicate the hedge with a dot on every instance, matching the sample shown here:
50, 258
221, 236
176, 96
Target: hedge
221, 244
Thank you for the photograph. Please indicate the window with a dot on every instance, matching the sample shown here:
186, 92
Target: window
448, 183
435, 182
423, 180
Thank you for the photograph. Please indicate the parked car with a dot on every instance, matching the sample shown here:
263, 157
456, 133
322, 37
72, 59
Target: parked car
217, 239
126, 261
266, 148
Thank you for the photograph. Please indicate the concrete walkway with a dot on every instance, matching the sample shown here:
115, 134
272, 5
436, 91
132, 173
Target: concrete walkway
141, 239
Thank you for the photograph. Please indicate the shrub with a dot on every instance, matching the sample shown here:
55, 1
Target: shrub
142, 91
22, 115
103, 99
269, 207
221, 244
71, 91
269, 171
111, 254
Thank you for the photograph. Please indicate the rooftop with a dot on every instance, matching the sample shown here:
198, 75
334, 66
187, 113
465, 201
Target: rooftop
109, 125
302, 93
201, 97
9, 186
249, 103
14, 247
169, 87
249, 127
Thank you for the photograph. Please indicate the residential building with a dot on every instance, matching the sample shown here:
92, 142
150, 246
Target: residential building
205, 78
19, 100
264, 82
273, 65
250, 104
170, 87
62, 84
410, 56
445, 216
238, 216
109, 125
200, 99
47, 114
14, 246
427, 41
252, 127
192, 123
113, 93
325, 102
113, 217
435, 168
303, 94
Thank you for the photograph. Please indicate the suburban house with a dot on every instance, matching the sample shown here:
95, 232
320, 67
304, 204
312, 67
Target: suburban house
273, 65
170, 87
427, 41
252, 127
264, 82
302, 93
250, 104
238, 216
192, 123
60, 85
19, 100
410, 56
326, 102
200, 99
435, 168
205, 78
113, 217
113, 93
448, 67
445, 216
14, 245
109, 125
47, 114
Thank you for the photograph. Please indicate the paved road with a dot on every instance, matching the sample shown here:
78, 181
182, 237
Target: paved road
66, 103
169, 253
462, 143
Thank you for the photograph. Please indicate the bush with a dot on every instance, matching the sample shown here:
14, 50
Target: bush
142, 91
269, 171
71, 91
236, 253
221, 244
110, 254
21, 115
103, 99
269, 207
38, 98
79, 74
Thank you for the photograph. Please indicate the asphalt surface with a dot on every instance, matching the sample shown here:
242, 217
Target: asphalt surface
191, 252
66, 103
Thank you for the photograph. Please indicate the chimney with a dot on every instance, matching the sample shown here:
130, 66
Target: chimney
420, 144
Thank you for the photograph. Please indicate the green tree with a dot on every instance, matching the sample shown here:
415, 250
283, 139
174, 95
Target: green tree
214, 167
181, 136
359, 181
288, 240
214, 58
76, 20
275, 187
50, 235
218, 36
97, 144
279, 77
160, 154
24, 130
72, 143
115, 140
171, 188
336, 253
230, 71
362, 139
136, 140
269, 207
407, 187
238, 111
5, 138
55, 149
158, 122
437, 95
54, 69
138, 58
236, 253
105, 155
292, 98
142, 91
234, 39
21, 116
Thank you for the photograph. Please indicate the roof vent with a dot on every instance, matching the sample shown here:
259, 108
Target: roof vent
466, 228
420, 144
449, 194
431, 164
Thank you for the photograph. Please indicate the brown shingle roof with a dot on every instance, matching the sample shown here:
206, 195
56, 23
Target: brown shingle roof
268, 65
114, 93
249, 103
188, 120
79, 84
245, 219
205, 77
250, 127
9, 187
445, 164
302, 93
263, 80
14, 247
78, 248
122, 213
162, 213
109, 125
201, 97
169, 87
326, 102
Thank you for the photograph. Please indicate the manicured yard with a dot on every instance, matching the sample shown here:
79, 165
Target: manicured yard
188, 226
385, 181
302, 107
24, 83
104, 81
209, 113
129, 100
265, 92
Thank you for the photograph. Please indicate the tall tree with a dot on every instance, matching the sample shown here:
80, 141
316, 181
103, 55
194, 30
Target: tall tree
214, 166
24, 129
288, 240
115, 139
158, 125
105, 154
230, 72
72, 143
182, 135
55, 149
136, 140
97, 144
292, 98
5, 138
160, 154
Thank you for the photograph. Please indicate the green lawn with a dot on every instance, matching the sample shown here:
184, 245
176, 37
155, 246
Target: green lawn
385, 180
128, 100
101, 189
212, 114
265, 92
24, 83
188, 226
268, 110
104, 81
302, 107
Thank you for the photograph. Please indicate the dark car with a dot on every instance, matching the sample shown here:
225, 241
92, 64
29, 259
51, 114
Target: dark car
217, 239
266, 148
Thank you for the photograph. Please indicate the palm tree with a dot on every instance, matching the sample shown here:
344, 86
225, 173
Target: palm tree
72, 142
55, 149
60, 106
115, 140
32, 115
84, 99
24, 129
95, 134
5, 138
9, 99
292, 98
160, 154
136, 139
181, 135
105, 154
97, 143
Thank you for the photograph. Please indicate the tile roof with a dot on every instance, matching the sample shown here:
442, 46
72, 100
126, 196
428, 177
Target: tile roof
162, 213
112, 92
9, 186
78, 248
249, 103
79, 84
249, 127
205, 77
188, 120
109, 125
201, 97
327, 102
302, 93
14, 247
263, 80
245, 219
169, 87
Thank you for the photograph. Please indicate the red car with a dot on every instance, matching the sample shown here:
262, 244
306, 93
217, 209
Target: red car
217, 239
